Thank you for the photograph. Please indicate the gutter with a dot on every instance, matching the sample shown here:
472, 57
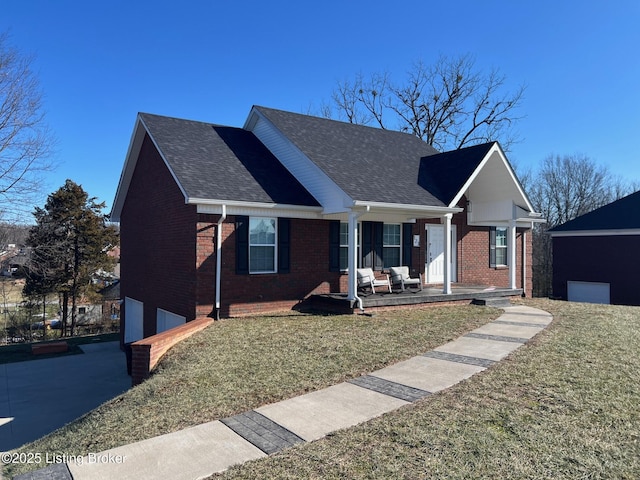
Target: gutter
221, 220
354, 282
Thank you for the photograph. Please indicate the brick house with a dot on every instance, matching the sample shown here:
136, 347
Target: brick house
225, 221
581, 272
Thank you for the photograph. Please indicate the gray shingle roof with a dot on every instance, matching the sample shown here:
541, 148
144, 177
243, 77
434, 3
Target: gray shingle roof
369, 164
223, 163
444, 174
214, 162
623, 214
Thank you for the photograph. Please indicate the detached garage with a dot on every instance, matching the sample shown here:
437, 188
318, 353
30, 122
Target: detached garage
596, 257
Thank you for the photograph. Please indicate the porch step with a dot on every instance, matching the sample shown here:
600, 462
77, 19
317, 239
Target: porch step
496, 302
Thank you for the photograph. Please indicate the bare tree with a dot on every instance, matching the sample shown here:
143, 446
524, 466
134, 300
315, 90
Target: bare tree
563, 188
448, 104
26, 142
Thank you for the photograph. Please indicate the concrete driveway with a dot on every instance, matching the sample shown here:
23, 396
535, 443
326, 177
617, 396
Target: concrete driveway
40, 396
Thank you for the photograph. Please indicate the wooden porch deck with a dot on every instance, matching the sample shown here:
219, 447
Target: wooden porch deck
338, 302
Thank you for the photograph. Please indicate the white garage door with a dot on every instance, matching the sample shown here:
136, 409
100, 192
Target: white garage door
133, 318
589, 292
167, 320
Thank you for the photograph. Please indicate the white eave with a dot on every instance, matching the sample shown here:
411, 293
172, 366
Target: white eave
494, 194
596, 233
419, 211
494, 178
234, 207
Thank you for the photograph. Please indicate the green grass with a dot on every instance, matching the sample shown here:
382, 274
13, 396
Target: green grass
240, 364
11, 290
564, 406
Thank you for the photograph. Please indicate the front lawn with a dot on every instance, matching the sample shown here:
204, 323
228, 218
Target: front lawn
239, 364
565, 406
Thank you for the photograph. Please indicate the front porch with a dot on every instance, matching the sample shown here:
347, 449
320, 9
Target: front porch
340, 303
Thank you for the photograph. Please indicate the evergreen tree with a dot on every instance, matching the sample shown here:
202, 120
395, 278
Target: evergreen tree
70, 242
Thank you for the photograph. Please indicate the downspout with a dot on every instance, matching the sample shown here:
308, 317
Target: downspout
221, 220
353, 249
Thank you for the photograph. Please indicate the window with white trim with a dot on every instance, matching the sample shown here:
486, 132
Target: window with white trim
498, 246
262, 245
391, 243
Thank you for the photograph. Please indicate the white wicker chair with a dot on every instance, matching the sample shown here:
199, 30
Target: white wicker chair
366, 279
400, 276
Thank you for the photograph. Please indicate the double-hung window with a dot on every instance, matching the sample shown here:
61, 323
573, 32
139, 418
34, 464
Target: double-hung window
379, 245
498, 246
262, 245
391, 242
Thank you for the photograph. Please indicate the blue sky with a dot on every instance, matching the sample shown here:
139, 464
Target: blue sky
99, 63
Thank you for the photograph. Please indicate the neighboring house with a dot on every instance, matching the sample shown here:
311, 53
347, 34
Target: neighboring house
225, 221
13, 260
111, 304
596, 257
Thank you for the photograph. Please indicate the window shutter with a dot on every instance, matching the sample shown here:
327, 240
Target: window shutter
492, 246
334, 246
378, 246
407, 244
372, 233
242, 245
284, 245
367, 245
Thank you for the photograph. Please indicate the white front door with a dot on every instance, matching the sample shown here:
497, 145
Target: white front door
434, 267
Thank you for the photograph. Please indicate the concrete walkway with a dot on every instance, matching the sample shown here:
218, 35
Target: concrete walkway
200, 451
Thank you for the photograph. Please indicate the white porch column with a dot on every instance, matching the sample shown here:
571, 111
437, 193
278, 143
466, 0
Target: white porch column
447, 254
512, 248
524, 262
353, 253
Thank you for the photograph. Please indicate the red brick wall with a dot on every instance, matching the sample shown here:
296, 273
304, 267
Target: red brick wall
146, 353
473, 255
257, 293
247, 294
473, 259
168, 256
157, 234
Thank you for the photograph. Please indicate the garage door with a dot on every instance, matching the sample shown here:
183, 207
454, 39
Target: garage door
167, 320
133, 320
589, 292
